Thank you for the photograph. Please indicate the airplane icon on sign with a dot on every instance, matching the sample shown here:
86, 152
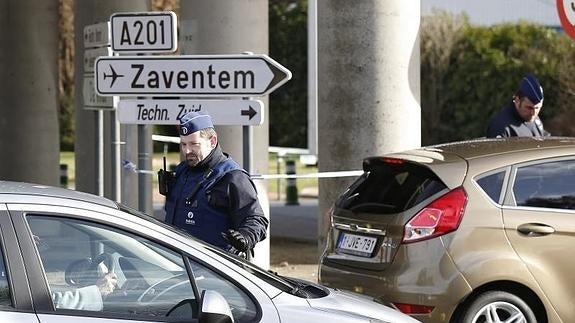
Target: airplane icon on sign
114, 75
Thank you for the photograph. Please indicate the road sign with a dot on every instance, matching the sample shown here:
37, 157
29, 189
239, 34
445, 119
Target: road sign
90, 55
192, 75
566, 11
91, 100
96, 35
167, 111
144, 32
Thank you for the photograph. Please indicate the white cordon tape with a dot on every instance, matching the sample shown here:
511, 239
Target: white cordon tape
132, 167
311, 175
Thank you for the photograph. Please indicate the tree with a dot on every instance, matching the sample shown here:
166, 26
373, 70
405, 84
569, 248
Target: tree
288, 46
465, 84
66, 75
439, 35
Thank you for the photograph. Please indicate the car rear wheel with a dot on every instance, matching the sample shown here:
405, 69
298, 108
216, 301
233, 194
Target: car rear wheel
498, 306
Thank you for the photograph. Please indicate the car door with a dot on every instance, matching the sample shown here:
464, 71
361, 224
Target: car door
539, 219
162, 272
15, 301
67, 259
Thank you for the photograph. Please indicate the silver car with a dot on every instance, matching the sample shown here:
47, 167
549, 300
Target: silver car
67, 256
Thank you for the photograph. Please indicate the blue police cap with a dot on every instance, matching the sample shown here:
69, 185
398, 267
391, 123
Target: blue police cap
531, 88
193, 121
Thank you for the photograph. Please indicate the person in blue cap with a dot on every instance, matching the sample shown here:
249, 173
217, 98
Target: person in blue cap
210, 195
520, 118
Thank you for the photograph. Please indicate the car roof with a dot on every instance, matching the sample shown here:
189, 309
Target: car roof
10, 189
450, 160
483, 147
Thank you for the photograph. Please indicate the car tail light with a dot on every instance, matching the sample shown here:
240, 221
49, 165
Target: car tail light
412, 309
393, 161
438, 218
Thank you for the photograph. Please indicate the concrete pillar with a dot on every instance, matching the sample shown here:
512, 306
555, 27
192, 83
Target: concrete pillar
30, 143
88, 12
232, 27
86, 130
368, 76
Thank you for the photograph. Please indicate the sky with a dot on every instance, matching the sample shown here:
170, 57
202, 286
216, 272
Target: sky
488, 12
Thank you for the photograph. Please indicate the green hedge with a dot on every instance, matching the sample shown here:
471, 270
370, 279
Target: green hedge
483, 69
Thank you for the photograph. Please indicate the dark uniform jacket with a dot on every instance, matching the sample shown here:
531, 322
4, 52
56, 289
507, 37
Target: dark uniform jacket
508, 123
212, 197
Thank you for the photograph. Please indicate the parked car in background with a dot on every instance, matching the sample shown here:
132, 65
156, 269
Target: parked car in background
476, 231
57, 246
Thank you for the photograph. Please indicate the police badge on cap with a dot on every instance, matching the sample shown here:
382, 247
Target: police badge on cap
193, 121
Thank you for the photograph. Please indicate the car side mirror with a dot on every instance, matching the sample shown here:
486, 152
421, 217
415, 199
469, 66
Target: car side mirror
214, 308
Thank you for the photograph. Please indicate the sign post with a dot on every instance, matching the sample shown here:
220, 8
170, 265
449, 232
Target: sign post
143, 32
91, 100
178, 84
96, 43
97, 35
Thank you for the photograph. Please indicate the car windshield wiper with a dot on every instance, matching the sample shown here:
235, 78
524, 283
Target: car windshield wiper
305, 289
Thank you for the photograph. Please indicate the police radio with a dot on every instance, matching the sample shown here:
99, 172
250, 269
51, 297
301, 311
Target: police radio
165, 178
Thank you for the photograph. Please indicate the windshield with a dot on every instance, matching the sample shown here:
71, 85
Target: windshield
270, 277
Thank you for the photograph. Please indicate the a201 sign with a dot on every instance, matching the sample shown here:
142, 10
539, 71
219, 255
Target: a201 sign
144, 32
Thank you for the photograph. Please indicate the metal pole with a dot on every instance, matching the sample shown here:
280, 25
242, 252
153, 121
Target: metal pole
101, 152
145, 203
280, 155
291, 185
64, 175
145, 154
278, 180
248, 152
117, 157
312, 77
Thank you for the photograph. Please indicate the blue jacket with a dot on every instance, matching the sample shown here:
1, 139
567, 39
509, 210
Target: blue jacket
508, 123
212, 197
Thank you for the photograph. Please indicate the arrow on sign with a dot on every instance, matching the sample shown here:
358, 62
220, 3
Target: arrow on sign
191, 75
250, 112
223, 112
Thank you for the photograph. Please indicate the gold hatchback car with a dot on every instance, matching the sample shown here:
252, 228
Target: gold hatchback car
476, 231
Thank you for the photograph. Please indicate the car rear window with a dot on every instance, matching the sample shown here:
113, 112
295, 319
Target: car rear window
390, 186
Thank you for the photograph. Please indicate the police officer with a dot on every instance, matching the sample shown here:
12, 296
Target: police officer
210, 195
520, 118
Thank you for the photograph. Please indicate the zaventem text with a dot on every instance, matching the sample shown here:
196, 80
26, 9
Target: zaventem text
194, 79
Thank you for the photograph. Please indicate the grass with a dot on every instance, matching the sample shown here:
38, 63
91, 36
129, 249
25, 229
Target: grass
67, 157
279, 185
273, 185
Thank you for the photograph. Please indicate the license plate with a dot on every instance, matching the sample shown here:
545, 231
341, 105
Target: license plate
356, 245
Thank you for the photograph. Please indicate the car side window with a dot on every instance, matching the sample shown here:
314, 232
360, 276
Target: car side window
5, 298
243, 307
548, 185
492, 185
92, 267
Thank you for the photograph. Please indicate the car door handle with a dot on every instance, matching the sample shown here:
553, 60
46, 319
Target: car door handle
535, 229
